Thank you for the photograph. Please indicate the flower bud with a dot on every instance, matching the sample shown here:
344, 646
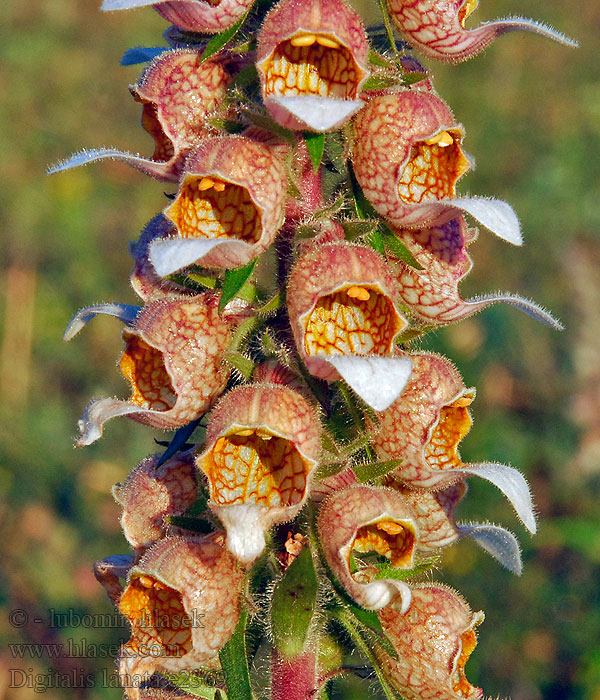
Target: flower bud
407, 158
343, 309
178, 92
262, 444
432, 292
312, 59
433, 640
151, 493
228, 209
437, 28
424, 427
361, 519
182, 602
173, 360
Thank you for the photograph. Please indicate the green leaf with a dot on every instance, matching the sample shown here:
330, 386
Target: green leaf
398, 249
376, 241
220, 40
228, 125
358, 228
380, 82
204, 280
234, 663
378, 60
363, 207
335, 148
242, 363
234, 281
247, 76
293, 605
375, 470
412, 78
179, 439
273, 304
315, 143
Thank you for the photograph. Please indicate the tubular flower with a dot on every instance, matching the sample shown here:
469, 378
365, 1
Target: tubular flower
424, 428
407, 158
312, 61
228, 209
437, 28
434, 640
206, 16
182, 602
262, 444
151, 493
172, 359
432, 292
343, 309
178, 92
361, 519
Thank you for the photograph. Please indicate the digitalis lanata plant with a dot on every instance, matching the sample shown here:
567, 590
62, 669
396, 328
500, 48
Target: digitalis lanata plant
290, 531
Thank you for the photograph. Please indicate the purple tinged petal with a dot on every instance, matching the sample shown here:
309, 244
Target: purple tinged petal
124, 312
497, 541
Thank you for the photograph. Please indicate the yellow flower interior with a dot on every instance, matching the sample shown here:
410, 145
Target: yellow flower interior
159, 623
455, 422
468, 642
144, 367
468, 7
433, 168
312, 64
254, 466
207, 207
351, 321
393, 540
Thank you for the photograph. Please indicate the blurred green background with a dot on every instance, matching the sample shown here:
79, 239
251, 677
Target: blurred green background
531, 110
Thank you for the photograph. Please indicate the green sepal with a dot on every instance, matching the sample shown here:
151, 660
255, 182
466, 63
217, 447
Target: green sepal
315, 144
412, 78
218, 41
234, 662
234, 281
243, 364
389, 571
375, 240
293, 605
398, 249
199, 525
381, 82
372, 471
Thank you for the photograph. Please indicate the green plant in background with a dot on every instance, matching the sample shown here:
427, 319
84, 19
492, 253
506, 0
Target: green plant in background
314, 238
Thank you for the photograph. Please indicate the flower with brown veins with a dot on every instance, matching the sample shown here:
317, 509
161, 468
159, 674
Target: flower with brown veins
312, 59
361, 519
152, 493
431, 292
424, 427
433, 640
343, 308
407, 157
262, 445
229, 207
437, 28
179, 92
173, 360
182, 602
205, 16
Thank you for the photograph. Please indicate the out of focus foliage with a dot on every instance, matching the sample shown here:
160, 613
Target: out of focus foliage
532, 115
